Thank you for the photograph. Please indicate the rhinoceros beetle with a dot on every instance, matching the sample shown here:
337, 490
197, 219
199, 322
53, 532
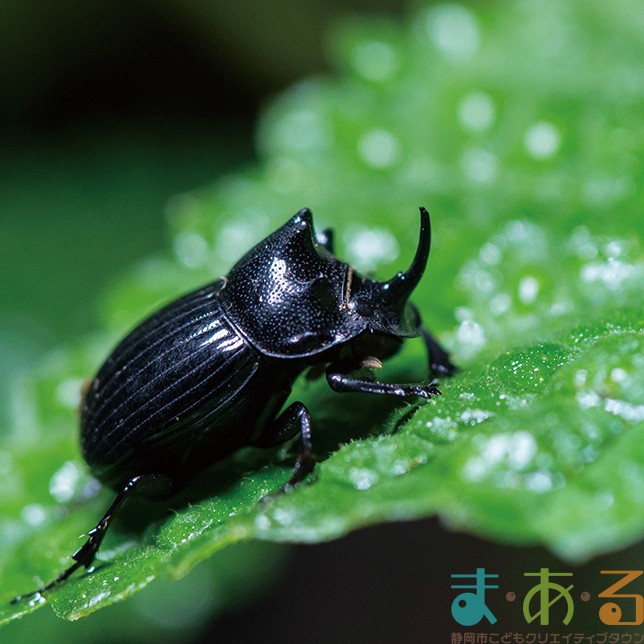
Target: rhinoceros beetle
209, 373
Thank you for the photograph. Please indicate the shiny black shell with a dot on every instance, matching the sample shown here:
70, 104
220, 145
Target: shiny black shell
208, 374
184, 389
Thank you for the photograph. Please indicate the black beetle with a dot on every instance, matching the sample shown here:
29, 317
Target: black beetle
209, 373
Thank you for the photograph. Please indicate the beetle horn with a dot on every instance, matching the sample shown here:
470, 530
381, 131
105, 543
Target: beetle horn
399, 288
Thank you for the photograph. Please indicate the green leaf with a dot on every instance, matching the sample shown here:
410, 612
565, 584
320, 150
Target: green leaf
521, 130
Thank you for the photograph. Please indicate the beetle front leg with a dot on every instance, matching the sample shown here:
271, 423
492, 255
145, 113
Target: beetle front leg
294, 418
342, 382
439, 362
85, 555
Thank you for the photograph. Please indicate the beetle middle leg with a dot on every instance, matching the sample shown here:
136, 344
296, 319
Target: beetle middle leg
294, 418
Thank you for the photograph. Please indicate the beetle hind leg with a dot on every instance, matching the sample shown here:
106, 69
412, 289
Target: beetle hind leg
84, 556
295, 418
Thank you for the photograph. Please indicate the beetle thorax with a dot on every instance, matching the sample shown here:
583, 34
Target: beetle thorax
292, 298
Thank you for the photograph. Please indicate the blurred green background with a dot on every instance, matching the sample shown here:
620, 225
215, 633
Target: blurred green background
109, 110
106, 111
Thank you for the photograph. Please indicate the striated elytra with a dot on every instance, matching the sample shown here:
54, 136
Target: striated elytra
209, 373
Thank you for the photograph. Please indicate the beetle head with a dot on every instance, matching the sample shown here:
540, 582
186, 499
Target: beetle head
386, 304
292, 298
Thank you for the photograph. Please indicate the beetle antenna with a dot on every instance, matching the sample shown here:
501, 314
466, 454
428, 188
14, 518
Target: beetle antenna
399, 288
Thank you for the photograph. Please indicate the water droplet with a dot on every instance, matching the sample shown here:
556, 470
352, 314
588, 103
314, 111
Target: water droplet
64, 482
472, 334
400, 467
517, 450
379, 148
475, 416
611, 273
462, 313
559, 308
375, 60
521, 450
36, 600
528, 289
615, 248
368, 247
191, 249
283, 516
483, 281
34, 514
542, 140
362, 478
589, 454
520, 233
539, 482
476, 112
490, 254
500, 303
625, 410
580, 378
262, 522
68, 392
475, 469
479, 165
587, 399
618, 375
453, 30
99, 597
583, 244
445, 428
